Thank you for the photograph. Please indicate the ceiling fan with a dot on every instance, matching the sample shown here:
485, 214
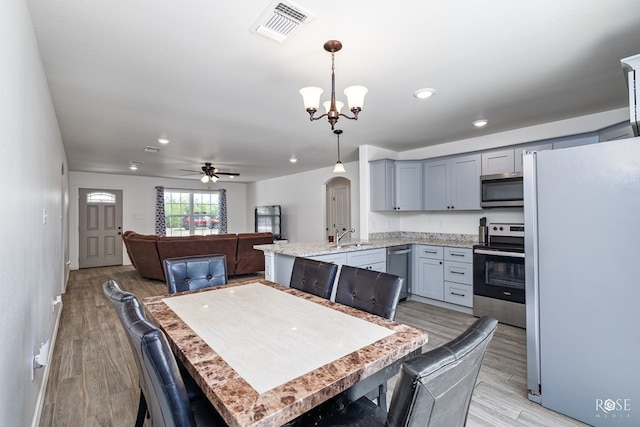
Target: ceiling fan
210, 173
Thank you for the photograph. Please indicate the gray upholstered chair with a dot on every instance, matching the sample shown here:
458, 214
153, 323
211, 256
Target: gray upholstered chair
195, 272
433, 389
314, 277
118, 297
373, 292
160, 380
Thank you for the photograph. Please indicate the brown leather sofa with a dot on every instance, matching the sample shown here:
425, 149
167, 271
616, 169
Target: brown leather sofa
147, 252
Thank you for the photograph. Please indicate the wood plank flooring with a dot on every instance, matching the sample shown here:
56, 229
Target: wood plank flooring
93, 378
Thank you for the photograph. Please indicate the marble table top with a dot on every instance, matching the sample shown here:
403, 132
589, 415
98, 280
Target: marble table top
265, 354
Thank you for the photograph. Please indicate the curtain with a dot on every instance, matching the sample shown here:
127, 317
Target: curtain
161, 227
222, 202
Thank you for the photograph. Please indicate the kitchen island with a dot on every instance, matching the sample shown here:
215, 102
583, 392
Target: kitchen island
372, 254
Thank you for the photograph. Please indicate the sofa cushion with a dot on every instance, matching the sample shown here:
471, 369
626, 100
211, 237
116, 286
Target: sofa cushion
173, 247
250, 260
144, 256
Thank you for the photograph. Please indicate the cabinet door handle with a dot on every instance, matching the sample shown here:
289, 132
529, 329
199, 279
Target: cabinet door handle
455, 254
457, 272
457, 294
430, 252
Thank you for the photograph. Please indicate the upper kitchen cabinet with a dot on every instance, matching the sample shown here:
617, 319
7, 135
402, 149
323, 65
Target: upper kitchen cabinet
618, 131
452, 183
508, 160
396, 185
575, 140
518, 152
499, 161
382, 184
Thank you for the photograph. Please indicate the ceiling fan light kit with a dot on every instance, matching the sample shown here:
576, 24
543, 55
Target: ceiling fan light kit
355, 94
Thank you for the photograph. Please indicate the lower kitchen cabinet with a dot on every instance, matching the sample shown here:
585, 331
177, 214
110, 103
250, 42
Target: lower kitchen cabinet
458, 276
429, 282
444, 274
456, 293
371, 259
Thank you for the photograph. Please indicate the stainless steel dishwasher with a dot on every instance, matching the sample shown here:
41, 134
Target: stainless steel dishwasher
399, 263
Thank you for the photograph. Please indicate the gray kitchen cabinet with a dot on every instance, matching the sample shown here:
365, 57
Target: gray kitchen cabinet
519, 151
429, 277
408, 183
396, 185
452, 183
498, 161
509, 160
458, 276
618, 131
575, 140
370, 259
382, 184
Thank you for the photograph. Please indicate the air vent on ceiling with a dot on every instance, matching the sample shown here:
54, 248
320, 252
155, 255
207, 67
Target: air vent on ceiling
280, 19
150, 149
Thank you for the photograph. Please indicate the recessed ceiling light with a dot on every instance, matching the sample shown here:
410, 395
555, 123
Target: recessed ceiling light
133, 164
163, 140
480, 123
424, 93
150, 149
293, 159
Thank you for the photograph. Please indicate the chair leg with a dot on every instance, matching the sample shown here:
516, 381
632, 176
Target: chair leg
382, 396
142, 410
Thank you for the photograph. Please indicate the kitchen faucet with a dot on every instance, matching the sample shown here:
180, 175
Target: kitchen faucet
341, 235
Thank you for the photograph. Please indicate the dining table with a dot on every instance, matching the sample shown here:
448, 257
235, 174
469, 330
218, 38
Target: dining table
269, 355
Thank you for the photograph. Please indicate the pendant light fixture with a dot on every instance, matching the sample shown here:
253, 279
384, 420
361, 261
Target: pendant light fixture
339, 167
355, 94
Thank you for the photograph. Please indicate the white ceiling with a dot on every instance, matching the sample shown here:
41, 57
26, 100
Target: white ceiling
123, 74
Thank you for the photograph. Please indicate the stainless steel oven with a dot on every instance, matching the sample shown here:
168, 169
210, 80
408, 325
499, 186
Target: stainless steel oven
499, 275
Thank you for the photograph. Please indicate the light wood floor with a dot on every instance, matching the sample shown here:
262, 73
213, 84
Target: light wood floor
93, 378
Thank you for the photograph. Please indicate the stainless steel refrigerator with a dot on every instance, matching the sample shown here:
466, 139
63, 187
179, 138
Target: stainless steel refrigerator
582, 263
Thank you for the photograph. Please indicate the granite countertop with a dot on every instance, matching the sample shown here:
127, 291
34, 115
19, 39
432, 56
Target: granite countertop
378, 240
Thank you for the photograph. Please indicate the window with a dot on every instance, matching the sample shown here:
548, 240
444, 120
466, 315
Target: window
99, 197
189, 212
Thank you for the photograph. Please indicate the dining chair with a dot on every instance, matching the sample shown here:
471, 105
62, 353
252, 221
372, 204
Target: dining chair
118, 297
368, 290
160, 380
434, 389
374, 292
195, 272
314, 277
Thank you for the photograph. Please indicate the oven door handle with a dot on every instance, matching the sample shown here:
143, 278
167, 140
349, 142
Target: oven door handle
500, 253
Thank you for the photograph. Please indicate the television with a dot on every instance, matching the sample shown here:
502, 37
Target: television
269, 219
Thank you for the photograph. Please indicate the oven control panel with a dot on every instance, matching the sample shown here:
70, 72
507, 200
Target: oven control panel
506, 229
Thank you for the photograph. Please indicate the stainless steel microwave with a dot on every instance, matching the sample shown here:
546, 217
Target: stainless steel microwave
501, 190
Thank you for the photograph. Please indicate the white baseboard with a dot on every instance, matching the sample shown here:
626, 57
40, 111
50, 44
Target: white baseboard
47, 368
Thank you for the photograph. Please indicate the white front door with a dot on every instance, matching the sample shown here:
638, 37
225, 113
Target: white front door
100, 228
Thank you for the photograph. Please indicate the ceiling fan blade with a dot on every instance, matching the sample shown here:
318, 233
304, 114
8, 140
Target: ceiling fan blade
228, 173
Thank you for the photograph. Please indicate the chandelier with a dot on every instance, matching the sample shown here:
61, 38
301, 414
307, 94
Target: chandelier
355, 94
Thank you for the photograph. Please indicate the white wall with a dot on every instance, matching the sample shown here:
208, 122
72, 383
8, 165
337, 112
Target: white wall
31, 258
139, 198
302, 197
